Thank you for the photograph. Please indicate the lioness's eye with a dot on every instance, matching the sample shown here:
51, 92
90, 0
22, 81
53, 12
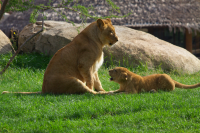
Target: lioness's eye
111, 33
115, 70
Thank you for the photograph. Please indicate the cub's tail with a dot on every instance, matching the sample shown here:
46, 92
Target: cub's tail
179, 85
4, 92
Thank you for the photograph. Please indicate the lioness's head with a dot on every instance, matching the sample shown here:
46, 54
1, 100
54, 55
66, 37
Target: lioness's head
107, 32
118, 74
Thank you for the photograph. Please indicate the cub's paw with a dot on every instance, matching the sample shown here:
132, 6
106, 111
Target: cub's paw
153, 91
102, 92
111, 92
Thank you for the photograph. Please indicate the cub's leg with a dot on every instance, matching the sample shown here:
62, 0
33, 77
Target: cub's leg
166, 83
116, 91
97, 83
120, 90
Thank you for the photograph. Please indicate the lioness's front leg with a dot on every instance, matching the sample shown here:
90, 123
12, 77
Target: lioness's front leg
97, 83
87, 75
85, 69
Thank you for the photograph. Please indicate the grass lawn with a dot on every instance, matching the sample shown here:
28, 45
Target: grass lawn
176, 111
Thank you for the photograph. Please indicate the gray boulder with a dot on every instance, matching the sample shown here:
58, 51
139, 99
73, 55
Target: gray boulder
55, 36
5, 44
136, 47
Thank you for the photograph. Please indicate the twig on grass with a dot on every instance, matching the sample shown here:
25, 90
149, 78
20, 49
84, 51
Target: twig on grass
11, 59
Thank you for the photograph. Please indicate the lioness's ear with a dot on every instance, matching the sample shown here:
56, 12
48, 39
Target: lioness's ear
100, 23
124, 76
109, 20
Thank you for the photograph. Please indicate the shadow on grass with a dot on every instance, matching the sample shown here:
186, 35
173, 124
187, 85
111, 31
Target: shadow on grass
31, 61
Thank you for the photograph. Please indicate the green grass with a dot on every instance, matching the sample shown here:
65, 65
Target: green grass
176, 111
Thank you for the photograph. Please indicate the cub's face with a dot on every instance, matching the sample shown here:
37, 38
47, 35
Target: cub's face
107, 32
118, 75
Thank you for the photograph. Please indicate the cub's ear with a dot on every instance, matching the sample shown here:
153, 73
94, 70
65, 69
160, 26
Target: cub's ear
109, 20
124, 76
100, 24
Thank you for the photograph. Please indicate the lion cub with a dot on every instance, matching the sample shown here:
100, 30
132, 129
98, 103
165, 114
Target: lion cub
133, 83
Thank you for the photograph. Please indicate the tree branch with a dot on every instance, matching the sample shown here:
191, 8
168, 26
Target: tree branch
3, 8
11, 59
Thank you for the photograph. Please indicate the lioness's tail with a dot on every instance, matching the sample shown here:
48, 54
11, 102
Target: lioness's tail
179, 85
4, 92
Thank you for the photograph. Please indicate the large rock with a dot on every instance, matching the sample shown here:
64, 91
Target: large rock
133, 48
55, 36
27, 32
136, 47
5, 44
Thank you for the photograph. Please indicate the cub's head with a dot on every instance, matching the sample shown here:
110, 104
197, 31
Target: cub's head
118, 74
107, 33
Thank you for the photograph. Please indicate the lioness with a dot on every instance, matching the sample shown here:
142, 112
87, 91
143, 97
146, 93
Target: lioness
73, 68
133, 83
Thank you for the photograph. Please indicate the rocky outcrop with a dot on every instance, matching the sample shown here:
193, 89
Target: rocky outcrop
55, 36
5, 44
136, 47
133, 48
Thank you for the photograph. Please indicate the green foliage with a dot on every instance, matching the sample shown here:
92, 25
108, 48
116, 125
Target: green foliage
31, 61
33, 15
19, 5
176, 111
114, 7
